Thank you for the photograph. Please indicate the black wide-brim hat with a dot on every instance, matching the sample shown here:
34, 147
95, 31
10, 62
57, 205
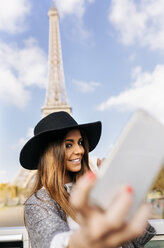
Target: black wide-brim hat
50, 127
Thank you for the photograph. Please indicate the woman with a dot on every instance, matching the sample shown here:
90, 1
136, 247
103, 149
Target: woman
57, 217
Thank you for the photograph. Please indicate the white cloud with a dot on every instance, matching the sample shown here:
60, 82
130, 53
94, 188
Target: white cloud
75, 8
28, 135
146, 92
19, 69
23, 140
72, 7
12, 15
30, 132
141, 22
86, 87
132, 57
11, 90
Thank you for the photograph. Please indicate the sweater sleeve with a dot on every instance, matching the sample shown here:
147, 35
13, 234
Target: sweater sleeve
141, 241
43, 223
146, 237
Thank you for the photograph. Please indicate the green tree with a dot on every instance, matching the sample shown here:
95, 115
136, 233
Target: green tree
158, 184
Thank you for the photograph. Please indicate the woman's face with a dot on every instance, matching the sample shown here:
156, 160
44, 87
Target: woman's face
74, 150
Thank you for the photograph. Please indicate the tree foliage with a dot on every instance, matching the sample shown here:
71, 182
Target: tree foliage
158, 184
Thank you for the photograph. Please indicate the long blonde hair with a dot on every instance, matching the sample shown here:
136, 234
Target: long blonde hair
52, 171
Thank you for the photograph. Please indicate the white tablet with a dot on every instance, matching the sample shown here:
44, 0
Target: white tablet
135, 160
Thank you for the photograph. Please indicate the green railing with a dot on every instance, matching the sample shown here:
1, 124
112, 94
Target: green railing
155, 244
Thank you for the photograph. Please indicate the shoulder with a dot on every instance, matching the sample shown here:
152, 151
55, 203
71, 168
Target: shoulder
39, 196
44, 218
42, 205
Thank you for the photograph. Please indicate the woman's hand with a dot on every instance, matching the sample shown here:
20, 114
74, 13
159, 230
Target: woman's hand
105, 229
99, 161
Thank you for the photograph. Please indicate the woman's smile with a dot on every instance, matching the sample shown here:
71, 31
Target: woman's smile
75, 161
74, 150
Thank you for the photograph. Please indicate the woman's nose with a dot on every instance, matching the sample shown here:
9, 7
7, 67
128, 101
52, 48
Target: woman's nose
79, 149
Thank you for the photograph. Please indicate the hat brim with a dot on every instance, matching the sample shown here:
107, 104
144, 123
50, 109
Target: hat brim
30, 153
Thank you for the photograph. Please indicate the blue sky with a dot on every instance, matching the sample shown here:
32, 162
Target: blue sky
113, 56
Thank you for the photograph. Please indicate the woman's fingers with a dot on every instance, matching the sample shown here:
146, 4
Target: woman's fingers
80, 192
131, 230
114, 218
139, 221
98, 162
119, 208
109, 228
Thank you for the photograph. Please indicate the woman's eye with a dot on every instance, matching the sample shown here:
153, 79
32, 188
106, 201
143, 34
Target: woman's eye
81, 142
68, 145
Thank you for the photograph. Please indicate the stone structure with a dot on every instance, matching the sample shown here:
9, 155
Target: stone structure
25, 178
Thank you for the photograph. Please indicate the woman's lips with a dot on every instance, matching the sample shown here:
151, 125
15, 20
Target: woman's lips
75, 161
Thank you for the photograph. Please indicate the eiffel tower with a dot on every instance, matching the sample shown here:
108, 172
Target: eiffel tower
56, 98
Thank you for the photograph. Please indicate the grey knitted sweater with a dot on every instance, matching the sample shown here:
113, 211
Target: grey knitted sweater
45, 218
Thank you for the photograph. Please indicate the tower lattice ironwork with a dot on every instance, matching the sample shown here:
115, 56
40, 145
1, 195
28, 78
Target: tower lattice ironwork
56, 97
